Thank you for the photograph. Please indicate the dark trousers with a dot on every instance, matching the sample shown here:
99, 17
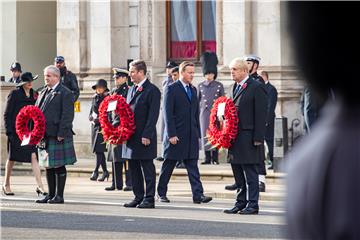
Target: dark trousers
261, 154
100, 161
247, 179
269, 138
212, 156
270, 144
117, 174
140, 170
192, 168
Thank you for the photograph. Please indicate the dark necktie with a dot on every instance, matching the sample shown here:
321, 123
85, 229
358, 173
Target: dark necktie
134, 91
188, 92
45, 98
237, 89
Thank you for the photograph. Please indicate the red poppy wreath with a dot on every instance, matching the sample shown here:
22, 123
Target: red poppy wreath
126, 128
26, 114
221, 134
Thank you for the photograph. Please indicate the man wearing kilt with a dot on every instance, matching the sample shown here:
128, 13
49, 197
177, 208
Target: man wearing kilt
115, 151
56, 150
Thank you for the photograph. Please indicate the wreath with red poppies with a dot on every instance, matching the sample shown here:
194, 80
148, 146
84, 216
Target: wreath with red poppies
34, 114
221, 133
126, 128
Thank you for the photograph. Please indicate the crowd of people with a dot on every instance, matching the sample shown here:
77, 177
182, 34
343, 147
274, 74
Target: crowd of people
184, 123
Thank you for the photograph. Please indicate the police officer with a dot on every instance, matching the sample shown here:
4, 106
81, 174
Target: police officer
115, 151
209, 91
15, 69
68, 79
253, 62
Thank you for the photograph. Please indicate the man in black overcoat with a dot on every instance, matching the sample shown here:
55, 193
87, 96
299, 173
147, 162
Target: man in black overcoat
182, 133
250, 99
141, 148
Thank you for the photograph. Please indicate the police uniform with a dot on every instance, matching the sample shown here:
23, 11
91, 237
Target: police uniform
115, 151
208, 92
15, 67
258, 78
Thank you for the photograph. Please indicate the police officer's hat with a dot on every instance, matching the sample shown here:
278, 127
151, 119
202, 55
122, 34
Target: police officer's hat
209, 63
171, 64
15, 67
25, 78
252, 58
119, 72
59, 59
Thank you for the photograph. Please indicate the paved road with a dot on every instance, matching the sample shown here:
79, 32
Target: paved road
93, 214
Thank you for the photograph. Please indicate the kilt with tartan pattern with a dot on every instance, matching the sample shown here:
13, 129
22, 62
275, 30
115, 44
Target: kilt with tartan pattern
57, 154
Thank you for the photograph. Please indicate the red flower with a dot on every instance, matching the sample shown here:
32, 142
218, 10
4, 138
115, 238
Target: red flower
222, 137
120, 134
140, 89
244, 85
26, 114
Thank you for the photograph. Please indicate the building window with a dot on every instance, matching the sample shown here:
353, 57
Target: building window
190, 29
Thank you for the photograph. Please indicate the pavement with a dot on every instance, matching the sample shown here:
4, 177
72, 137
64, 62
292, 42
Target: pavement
91, 212
214, 177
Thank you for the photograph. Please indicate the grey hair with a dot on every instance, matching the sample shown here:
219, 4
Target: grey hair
53, 69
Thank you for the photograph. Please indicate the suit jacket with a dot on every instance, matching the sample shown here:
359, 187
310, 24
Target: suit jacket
58, 108
251, 104
146, 106
181, 120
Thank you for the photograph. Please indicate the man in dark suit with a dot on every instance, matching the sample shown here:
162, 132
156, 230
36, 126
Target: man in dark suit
57, 148
249, 97
270, 117
141, 148
182, 133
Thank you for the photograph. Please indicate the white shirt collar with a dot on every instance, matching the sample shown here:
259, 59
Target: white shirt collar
244, 80
54, 87
140, 83
184, 84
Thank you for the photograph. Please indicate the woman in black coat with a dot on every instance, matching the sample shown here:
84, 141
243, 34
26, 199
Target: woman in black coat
97, 141
115, 151
22, 96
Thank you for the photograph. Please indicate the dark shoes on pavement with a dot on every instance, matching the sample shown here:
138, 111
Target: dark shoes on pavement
127, 188
161, 159
104, 176
234, 210
203, 199
52, 200
249, 211
94, 176
231, 187
112, 188
163, 199
143, 204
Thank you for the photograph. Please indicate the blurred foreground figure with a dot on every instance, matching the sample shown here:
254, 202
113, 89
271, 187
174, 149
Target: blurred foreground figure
324, 169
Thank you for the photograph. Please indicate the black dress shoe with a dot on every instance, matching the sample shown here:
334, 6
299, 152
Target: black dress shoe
249, 211
203, 199
56, 200
234, 210
261, 187
271, 167
104, 176
6, 192
231, 187
44, 200
111, 188
127, 188
164, 199
205, 163
132, 204
145, 204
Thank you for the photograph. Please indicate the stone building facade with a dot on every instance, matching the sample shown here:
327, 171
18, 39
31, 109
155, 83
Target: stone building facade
95, 36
